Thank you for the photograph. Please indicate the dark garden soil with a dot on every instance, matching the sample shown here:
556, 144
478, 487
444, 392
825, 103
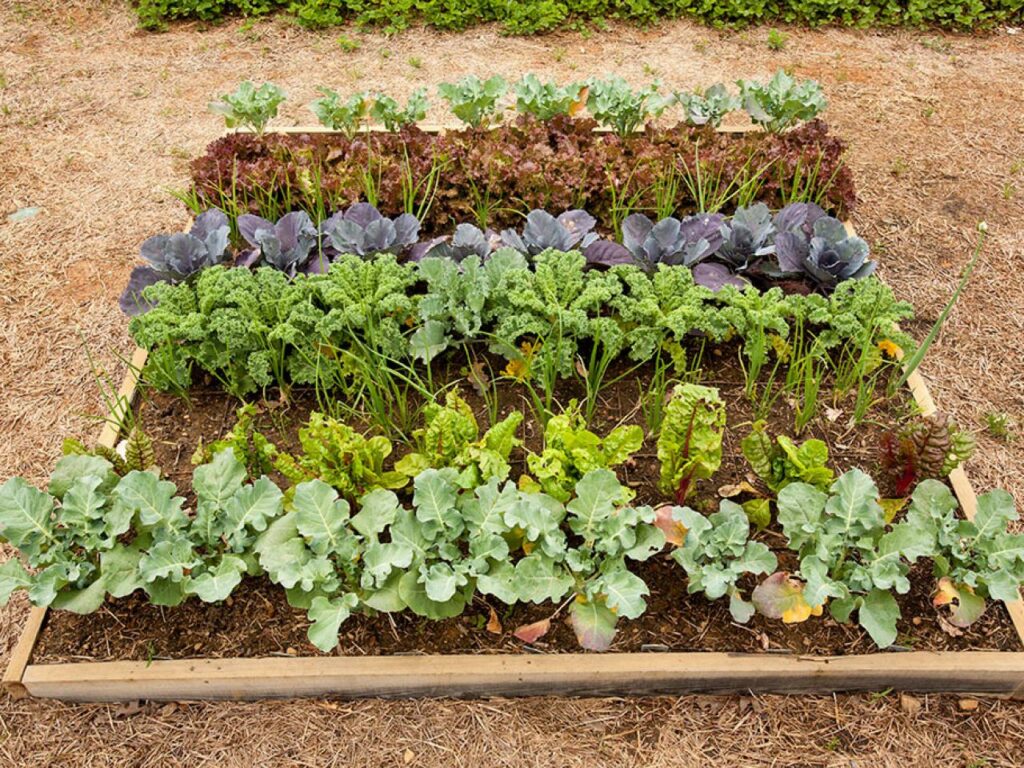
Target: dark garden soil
257, 620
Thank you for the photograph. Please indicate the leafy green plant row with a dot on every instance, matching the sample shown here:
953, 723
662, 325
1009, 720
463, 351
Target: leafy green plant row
776, 105
254, 329
529, 17
568, 534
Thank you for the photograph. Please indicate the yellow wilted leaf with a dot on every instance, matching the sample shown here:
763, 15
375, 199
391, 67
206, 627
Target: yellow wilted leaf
946, 592
892, 507
891, 348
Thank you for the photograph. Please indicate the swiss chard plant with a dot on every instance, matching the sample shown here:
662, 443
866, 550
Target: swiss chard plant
782, 462
175, 258
928, 447
335, 453
690, 443
717, 552
973, 560
850, 558
250, 446
474, 101
249, 107
782, 102
451, 438
571, 451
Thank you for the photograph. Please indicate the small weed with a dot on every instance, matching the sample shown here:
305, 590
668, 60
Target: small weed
879, 695
977, 762
833, 744
1016, 167
777, 40
999, 425
558, 54
937, 44
898, 167
415, 62
1009, 190
385, 53
3, 80
650, 71
701, 46
348, 44
927, 112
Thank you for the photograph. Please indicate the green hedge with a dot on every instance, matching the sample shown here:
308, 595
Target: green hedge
523, 17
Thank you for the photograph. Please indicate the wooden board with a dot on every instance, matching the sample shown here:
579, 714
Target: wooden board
525, 674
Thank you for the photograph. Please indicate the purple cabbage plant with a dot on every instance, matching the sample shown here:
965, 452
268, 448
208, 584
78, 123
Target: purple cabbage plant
175, 258
291, 245
818, 247
672, 241
363, 231
468, 240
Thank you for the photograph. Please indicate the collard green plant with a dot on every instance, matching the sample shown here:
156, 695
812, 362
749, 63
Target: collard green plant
362, 230
849, 557
717, 552
974, 560
709, 106
782, 102
334, 452
545, 100
474, 101
387, 111
571, 451
174, 258
249, 107
451, 438
614, 104
690, 443
291, 245
782, 462
74, 537
338, 114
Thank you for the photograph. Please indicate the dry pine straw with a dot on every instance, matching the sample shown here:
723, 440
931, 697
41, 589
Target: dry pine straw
935, 126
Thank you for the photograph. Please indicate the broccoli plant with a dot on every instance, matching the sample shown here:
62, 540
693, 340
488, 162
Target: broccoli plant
782, 101
363, 231
386, 110
291, 245
547, 100
249, 106
474, 101
175, 258
344, 115
571, 450
848, 556
973, 560
717, 552
707, 107
690, 443
451, 438
614, 104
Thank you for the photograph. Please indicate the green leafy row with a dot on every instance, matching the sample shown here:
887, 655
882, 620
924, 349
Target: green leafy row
528, 17
251, 330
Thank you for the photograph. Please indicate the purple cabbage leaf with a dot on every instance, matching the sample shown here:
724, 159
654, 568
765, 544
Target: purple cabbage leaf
671, 241
291, 245
363, 231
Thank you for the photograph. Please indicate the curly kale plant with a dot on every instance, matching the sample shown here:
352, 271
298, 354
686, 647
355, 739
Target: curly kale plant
849, 557
362, 230
717, 552
690, 443
174, 258
291, 245
782, 101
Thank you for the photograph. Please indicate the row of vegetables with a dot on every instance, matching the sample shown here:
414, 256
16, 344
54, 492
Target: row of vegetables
347, 536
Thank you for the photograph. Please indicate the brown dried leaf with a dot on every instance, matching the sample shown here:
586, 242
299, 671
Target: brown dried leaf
531, 633
494, 623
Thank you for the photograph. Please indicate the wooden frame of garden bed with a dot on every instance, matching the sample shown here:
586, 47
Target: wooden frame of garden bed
517, 674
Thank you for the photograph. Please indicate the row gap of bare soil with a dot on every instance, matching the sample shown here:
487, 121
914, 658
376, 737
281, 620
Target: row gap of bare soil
257, 620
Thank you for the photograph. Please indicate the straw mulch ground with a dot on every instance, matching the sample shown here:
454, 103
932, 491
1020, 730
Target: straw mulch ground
97, 120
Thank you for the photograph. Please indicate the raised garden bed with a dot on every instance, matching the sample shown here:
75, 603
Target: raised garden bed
254, 644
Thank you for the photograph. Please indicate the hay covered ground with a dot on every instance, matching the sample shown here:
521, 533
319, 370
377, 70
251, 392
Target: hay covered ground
97, 120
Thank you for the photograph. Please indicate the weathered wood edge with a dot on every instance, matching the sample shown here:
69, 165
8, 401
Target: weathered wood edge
429, 127
976, 672
109, 435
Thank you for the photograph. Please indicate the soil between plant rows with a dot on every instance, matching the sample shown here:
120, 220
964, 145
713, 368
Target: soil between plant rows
257, 620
